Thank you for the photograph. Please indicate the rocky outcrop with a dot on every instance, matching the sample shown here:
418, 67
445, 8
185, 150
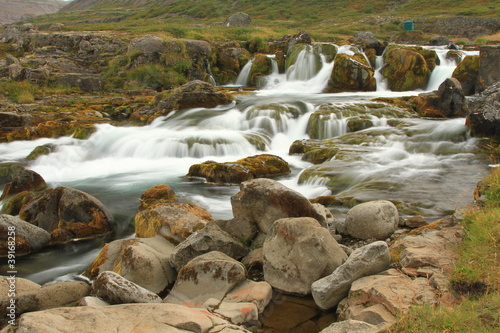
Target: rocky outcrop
264, 201
143, 261
448, 101
193, 94
351, 73
298, 252
367, 40
483, 116
489, 66
67, 214
467, 73
368, 260
115, 289
227, 60
373, 219
238, 20
259, 166
20, 237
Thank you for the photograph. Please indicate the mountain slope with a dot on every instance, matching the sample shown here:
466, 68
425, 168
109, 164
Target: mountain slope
15, 10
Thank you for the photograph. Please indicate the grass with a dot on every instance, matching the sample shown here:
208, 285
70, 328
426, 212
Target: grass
476, 277
22, 92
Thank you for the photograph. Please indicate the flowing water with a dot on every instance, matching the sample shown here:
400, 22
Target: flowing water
431, 166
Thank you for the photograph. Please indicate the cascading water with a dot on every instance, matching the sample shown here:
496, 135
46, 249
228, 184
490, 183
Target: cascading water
242, 79
380, 156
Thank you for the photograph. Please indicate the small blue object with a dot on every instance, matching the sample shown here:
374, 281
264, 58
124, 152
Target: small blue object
409, 25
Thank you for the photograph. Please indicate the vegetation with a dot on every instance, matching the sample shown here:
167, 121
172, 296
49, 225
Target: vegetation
476, 278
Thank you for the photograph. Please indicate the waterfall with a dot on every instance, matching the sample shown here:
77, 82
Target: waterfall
242, 79
305, 67
381, 81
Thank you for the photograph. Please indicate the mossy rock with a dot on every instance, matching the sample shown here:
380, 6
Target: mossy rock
320, 155
9, 171
38, 151
155, 195
329, 51
405, 68
455, 56
261, 67
53, 129
84, 132
259, 166
359, 123
259, 141
351, 73
467, 73
14, 204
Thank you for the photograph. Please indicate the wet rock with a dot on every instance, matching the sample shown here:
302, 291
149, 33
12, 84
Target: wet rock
208, 276
261, 67
351, 73
230, 59
193, 94
13, 205
484, 114
298, 252
27, 237
68, 214
367, 260
489, 66
115, 289
379, 299
265, 201
38, 151
53, 295
143, 261
238, 20
375, 219
127, 318
173, 223
23, 180
448, 101
259, 166
210, 238
467, 73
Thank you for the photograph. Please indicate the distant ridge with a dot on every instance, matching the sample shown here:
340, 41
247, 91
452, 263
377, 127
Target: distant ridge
15, 10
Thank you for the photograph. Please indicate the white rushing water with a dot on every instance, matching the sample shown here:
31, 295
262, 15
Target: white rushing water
426, 164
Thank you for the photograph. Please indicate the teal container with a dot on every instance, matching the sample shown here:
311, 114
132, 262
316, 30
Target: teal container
409, 25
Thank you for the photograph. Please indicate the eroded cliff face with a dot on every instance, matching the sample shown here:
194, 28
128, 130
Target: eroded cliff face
15, 10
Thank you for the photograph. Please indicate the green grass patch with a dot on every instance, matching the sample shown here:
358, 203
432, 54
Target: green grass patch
19, 91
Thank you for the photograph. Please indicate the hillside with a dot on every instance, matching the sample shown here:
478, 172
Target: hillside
15, 10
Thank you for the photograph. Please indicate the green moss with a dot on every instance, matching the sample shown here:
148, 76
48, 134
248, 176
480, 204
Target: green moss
38, 151
262, 66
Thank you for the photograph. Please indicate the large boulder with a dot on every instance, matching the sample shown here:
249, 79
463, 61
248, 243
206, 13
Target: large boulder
367, 260
259, 166
115, 289
158, 194
67, 214
448, 101
210, 238
20, 179
173, 223
238, 20
193, 94
261, 67
228, 61
20, 237
408, 68
467, 73
372, 220
265, 201
208, 276
484, 114
439, 40
489, 66
351, 73
147, 44
143, 261
298, 252
367, 40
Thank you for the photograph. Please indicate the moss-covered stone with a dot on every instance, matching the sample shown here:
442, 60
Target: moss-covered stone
467, 73
262, 66
38, 151
83, 132
329, 51
351, 73
155, 195
14, 204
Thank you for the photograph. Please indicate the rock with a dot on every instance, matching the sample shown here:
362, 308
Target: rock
484, 114
439, 40
351, 73
265, 201
258, 293
367, 260
351, 325
11, 119
68, 214
467, 73
24, 180
157, 195
405, 68
238, 20
240, 228
154, 317
147, 44
210, 238
56, 27
19, 237
367, 40
415, 222
448, 101
379, 299
230, 59
259, 166
374, 219
115, 289
143, 261
39, 151
53, 295
237, 313
197, 49
298, 252
10, 34
22, 285
193, 94
261, 67
489, 66
86, 82
92, 301
173, 223
208, 276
